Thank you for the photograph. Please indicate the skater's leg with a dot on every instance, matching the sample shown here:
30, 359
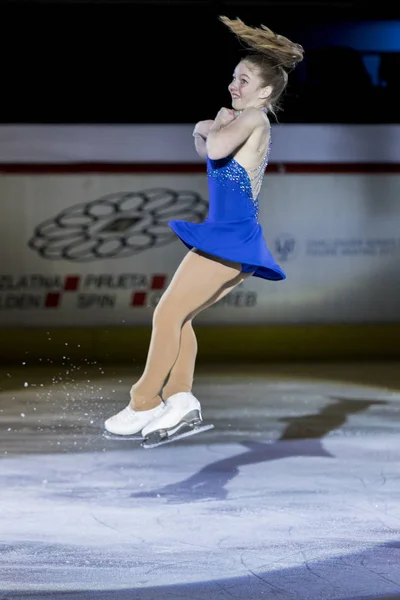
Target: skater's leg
181, 376
182, 373
197, 283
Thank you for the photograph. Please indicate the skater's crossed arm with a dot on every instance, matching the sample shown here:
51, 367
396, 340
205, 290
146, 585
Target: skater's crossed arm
200, 134
229, 132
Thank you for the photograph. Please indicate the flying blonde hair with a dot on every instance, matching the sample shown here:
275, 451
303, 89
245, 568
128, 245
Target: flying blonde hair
279, 49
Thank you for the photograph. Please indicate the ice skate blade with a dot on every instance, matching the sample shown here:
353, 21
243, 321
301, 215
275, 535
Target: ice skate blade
157, 440
135, 437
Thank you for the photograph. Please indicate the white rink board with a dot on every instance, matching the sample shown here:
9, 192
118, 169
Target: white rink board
161, 143
336, 236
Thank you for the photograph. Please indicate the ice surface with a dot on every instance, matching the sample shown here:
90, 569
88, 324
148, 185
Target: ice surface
295, 494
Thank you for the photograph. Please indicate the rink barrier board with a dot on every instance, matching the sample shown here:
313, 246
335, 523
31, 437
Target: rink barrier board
173, 143
247, 342
333, 261
217, 344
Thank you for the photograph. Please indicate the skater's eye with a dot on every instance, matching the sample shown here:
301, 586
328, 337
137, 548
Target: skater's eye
242, 80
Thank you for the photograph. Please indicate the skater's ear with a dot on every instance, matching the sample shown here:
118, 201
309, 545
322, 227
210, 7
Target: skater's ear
265, 92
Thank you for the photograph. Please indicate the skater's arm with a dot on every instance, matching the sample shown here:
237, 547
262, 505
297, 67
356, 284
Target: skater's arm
200, 144
229, 133
200, 134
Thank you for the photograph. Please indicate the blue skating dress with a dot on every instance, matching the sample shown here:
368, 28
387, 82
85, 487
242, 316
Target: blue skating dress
231, 229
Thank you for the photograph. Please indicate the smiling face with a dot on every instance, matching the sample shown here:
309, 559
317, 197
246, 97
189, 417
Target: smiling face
246, 87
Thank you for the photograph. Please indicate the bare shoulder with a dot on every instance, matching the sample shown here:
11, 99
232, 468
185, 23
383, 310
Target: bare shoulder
249, 153
257, 122
256, 116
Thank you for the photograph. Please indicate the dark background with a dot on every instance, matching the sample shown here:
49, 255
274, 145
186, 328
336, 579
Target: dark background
171, 62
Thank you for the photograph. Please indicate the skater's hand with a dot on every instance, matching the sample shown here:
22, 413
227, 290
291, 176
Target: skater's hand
225, 116
202, 128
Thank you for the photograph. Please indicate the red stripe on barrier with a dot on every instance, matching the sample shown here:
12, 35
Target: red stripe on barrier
173, 168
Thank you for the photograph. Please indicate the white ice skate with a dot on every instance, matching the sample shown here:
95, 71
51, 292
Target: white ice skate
128, 423
181, 418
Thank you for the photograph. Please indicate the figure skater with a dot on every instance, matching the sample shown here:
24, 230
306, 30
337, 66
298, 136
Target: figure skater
224, 250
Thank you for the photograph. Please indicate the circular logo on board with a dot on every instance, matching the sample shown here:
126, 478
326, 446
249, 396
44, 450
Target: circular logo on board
117, 225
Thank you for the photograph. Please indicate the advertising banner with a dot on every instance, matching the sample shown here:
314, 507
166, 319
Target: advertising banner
95, 249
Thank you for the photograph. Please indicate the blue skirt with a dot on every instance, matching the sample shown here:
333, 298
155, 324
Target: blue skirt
242, 243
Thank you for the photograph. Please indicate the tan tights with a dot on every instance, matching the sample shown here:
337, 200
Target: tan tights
199, 282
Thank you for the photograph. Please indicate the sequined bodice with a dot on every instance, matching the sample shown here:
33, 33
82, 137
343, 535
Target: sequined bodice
234, 190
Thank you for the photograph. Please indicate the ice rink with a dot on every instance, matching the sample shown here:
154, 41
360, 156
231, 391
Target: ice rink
295, 494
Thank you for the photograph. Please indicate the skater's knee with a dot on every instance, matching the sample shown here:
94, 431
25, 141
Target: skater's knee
166, 314
159, 313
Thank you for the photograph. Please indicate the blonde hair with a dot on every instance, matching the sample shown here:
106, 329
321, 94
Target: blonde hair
274, 55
